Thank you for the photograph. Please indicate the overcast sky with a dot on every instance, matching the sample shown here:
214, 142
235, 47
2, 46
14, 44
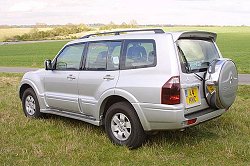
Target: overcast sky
185, 12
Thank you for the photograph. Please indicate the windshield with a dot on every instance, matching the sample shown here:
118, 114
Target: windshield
196, 54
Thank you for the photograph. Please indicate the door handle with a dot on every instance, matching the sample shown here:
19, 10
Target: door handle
71, 77
108, 77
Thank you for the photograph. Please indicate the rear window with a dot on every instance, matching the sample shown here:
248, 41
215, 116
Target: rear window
103, 55
196, 54
139, 54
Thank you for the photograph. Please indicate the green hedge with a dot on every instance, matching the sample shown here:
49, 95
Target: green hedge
35, 34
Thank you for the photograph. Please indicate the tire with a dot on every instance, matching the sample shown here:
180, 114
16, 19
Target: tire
123, 126
30, 104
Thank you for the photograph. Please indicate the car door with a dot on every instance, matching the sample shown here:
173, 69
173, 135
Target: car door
100, 74
61, 84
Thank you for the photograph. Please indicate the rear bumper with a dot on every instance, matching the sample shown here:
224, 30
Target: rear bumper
170, 117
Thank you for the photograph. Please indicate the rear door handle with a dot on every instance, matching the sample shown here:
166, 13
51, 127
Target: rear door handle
71, 77
108, 77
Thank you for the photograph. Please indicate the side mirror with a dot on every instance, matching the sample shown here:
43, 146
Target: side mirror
48, 65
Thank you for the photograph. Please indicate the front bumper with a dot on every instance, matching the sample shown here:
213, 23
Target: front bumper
170, 117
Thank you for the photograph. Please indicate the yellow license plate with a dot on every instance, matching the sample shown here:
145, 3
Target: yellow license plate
192, 95
210, 88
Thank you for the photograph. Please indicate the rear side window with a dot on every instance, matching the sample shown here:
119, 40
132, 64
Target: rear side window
139, 54
196, 54
103, 55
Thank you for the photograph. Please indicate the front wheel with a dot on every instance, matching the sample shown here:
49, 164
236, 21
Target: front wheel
30, 104
123, 126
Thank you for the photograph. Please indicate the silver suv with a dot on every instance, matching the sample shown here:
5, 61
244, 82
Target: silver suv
133, 82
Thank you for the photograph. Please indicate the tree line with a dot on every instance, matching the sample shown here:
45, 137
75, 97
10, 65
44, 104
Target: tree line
65, 31
36, 34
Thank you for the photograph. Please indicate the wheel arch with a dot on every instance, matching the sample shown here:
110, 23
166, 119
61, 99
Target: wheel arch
37, 86
26, 83
110, 100
22, 88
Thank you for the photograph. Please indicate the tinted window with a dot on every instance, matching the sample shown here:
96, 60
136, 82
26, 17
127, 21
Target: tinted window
70, 57
140, 54
103, 55
196, 54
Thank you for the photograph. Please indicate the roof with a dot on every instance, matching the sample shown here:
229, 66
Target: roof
141, 34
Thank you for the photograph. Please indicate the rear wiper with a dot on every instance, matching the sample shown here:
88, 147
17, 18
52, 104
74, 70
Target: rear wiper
187, 66
199, 77
207, 63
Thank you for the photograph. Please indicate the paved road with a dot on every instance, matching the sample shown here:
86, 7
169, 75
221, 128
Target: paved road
16, 69
244, 79
28, 42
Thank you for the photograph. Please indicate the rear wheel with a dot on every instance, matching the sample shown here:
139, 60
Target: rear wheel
123, 126
30, 104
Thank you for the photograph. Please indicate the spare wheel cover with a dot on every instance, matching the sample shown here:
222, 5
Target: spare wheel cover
222, 73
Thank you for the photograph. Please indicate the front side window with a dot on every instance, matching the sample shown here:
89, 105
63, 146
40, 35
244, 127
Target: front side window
70, 57
196, 54
140, 53
103, 55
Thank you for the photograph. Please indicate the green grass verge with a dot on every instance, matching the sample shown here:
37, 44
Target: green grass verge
29, 55
62, 141
221, 29
236, 46
232, 41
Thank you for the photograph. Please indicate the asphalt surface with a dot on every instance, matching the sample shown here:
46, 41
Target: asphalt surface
28, 42
244, 79
16, 69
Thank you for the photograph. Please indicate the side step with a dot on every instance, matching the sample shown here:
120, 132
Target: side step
78, 116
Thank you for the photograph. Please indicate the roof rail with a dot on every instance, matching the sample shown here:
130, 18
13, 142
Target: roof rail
124, 31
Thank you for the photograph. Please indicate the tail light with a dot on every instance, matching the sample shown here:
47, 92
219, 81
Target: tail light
170, 92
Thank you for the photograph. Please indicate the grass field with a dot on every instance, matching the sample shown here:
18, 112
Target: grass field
29, 55
237, 47
217, 29
61, 141
9, 32
233, 42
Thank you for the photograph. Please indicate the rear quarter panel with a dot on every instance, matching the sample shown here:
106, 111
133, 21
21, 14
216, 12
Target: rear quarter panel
145, 83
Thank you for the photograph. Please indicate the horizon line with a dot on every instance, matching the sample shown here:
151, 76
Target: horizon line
100, 24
